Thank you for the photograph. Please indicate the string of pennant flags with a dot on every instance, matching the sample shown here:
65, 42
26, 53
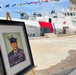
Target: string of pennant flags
26, 3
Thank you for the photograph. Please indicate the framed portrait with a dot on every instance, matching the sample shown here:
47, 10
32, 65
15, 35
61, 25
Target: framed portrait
15, 48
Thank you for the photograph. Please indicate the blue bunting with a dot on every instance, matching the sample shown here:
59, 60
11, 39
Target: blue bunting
20, 4
7, 6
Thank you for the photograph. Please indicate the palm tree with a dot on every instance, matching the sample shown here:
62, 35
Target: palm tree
73, 1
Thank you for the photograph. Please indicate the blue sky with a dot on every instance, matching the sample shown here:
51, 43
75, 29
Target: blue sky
44, 7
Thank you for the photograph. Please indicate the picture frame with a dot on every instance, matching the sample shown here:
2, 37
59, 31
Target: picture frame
2, 69
15, 48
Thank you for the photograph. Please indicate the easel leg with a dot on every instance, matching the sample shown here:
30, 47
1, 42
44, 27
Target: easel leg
33, 72
8, 17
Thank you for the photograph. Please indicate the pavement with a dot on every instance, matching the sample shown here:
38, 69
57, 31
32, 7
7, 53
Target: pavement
54, 55
73, 72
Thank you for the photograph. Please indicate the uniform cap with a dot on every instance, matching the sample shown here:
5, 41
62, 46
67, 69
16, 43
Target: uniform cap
12, 39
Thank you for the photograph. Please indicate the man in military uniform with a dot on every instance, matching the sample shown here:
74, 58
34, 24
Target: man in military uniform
16, 55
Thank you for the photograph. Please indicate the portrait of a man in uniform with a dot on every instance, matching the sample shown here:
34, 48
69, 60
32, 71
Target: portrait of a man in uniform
17, 54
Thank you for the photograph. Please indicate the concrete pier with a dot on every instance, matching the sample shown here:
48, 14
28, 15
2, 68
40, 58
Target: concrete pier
54, 54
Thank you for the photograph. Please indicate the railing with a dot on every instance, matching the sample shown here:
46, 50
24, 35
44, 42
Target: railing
73, 18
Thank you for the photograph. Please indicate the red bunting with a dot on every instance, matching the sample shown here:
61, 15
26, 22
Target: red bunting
46, 0
34, 2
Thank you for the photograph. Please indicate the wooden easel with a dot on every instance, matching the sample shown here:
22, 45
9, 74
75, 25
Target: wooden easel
8, 17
